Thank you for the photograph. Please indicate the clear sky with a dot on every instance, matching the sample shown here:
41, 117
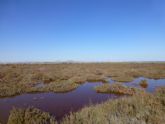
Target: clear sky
82, 30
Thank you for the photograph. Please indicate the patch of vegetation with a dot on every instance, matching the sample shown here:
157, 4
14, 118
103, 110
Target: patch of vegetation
11, 89
30, 116
160, 92
117, 88
144, 83
123, 78
64, 86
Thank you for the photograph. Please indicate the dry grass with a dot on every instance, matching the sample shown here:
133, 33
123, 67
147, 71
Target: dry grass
123, 78
144, 83
21, 78
160, 92
63, 86
117, 88
30, 116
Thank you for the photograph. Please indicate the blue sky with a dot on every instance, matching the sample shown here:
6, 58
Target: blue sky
82, 30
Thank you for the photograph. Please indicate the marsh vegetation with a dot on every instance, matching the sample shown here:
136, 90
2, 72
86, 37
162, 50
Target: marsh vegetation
146, 109
137, 107
21, 78
117, 88
30, 116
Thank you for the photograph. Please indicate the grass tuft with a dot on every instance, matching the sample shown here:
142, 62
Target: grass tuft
144, 83
30, 116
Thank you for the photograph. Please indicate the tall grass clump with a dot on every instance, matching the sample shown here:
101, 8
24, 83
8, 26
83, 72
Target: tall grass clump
144, 83
30, 116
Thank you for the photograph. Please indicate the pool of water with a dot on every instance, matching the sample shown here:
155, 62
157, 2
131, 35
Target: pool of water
152, 83
60, 104
57, 104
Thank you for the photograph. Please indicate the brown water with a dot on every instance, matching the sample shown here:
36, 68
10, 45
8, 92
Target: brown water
60, 104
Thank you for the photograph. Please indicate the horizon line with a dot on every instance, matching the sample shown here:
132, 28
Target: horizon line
74, 62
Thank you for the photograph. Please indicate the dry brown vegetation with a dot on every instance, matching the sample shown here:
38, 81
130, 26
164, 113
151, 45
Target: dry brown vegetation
144, 83
123, 78
117, 88
21, 78
145, 109
30, 116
